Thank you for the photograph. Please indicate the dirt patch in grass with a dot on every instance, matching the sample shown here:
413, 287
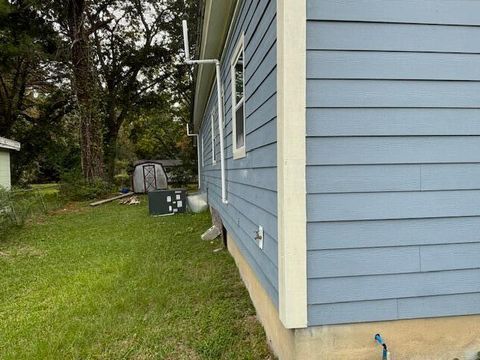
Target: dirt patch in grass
69, 208
21, 251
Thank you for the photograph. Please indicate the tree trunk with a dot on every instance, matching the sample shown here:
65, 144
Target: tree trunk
85, 90
112, 128
111, 137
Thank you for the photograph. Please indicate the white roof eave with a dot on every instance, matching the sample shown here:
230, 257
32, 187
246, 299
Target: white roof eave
216, 24
9, 144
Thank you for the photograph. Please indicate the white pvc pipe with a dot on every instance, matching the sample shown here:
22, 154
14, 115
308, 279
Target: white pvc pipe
219, 105
220, 131
185, 40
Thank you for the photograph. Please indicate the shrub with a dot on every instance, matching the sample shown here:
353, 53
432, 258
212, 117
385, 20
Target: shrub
122, 180
17, 208
74, 187
180, 175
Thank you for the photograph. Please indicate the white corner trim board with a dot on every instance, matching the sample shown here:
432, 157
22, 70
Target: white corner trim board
291, 162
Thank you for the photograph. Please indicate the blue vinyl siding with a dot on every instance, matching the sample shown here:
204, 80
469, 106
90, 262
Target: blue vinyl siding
393, 159
252, 180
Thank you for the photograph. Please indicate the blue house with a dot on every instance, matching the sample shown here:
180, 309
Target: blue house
343, 160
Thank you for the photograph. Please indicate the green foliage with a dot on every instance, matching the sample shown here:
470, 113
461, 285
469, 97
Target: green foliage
181, 176
49, 143
7, 218
18, 206
35, 95
75, 188
122, 180
136, 48
27, 45
157, 136
23, 33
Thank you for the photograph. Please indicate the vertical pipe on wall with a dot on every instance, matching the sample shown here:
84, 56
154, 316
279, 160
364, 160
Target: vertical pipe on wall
220, 131
219, 104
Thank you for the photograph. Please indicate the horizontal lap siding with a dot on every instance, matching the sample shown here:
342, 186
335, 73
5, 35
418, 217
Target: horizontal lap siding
251, 181
393, 164
4, 169
392, 121
393, 65
401, 232
392, 37
446, 12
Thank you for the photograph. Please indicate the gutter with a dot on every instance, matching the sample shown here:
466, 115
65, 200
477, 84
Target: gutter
215, 24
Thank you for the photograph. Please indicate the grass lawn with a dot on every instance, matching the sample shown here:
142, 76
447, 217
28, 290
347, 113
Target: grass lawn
114, 283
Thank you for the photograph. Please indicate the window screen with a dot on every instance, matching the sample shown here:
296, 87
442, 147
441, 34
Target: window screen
238, 101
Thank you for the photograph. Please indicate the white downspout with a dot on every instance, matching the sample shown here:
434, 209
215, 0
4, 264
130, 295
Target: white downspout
198, 157
219, 105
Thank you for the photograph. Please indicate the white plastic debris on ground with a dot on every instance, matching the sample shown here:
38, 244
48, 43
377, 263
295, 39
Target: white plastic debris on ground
197, 202
211, 233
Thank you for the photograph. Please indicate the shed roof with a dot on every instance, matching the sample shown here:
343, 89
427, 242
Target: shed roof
217, 16
9, 144
141, 162
165, 162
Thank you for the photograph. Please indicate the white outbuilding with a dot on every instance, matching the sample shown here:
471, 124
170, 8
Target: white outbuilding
6, 146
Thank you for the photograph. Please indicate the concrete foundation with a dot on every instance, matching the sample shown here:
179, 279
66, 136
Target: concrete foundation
419, 339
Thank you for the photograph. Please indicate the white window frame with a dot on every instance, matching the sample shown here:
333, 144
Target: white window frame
203, 150
213, 136
238, 153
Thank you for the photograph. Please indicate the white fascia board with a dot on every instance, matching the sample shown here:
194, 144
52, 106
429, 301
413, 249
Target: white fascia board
9, 144
218, 16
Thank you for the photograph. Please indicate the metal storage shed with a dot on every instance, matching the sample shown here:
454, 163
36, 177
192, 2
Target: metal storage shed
148, 175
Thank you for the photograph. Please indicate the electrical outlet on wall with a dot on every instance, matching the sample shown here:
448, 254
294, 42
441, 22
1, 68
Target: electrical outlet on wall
259, 236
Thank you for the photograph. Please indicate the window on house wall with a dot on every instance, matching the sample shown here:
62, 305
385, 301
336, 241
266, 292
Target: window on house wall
238, 100
203, 150
212, 121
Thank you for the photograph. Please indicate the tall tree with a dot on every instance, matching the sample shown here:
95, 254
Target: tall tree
70, 18
137, 56
129, 52
124, 54
85, 83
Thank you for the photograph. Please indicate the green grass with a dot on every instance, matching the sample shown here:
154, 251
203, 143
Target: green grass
46, 189
114, 283
40, 189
